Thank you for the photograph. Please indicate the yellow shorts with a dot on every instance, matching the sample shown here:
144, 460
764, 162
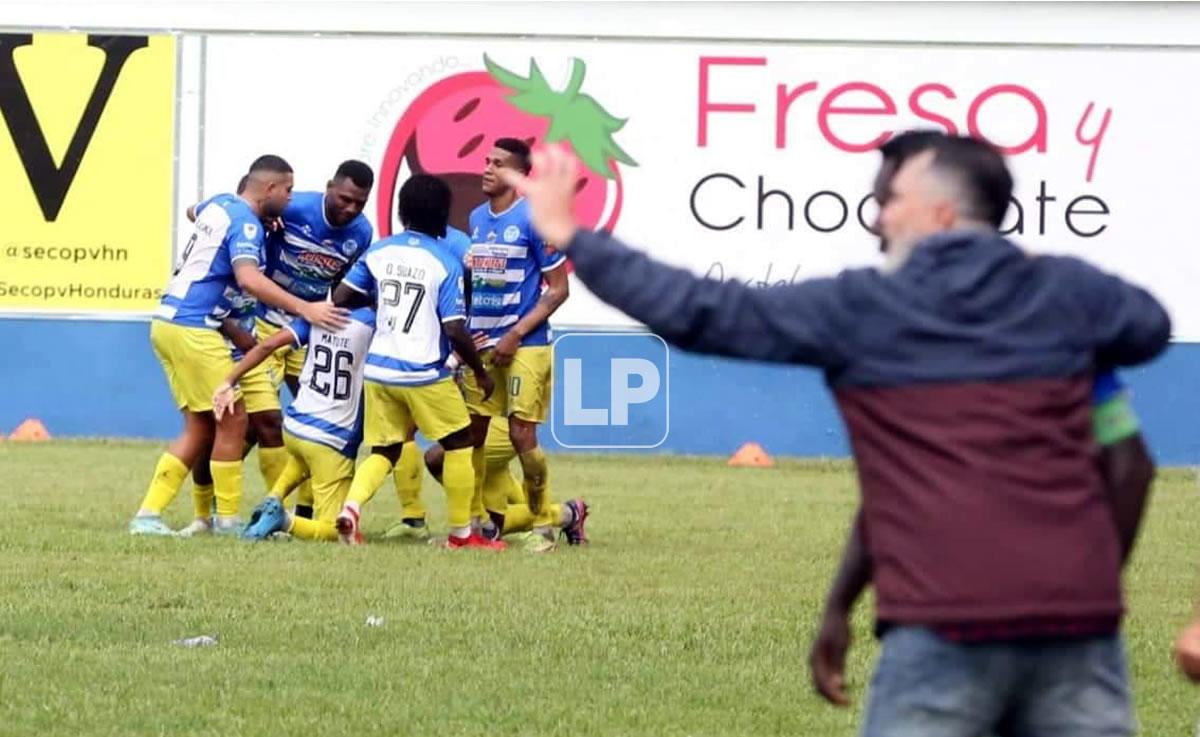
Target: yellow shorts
329, 472
288, 360
260, 388
195, 360
522, 388
436, 409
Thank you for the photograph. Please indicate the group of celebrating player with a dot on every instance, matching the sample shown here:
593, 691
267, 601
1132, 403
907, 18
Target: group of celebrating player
429, 329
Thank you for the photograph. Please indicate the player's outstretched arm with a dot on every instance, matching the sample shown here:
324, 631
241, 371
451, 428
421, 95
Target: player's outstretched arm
346, 295
323, 314
223, 397
827, 658
464, 347
801, 323
556, 292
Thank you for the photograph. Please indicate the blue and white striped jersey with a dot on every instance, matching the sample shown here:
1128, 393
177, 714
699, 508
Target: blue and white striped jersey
508, 259
329, 406
308, 254
200, 292
418, 285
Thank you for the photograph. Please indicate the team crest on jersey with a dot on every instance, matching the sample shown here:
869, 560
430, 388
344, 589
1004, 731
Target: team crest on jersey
349, 247
511, 234
250, 229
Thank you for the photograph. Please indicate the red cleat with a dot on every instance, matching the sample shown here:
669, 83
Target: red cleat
475, 540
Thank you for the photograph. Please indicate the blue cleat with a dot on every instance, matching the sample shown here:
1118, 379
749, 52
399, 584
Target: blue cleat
150, 525
270, 517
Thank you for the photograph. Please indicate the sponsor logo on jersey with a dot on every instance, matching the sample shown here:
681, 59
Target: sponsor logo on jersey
250, 230
319, 263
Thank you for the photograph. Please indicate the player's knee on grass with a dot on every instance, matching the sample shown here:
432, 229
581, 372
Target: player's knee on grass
267, 428
435, 457
523, 434
458, 440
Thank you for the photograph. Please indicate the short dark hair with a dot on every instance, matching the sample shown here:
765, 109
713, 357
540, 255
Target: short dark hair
984, 181
242, 183
517, 148
424, 204
272, 163
357, 172
903, 146
987, 185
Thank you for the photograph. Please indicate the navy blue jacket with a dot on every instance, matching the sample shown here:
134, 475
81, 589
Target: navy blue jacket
964, 380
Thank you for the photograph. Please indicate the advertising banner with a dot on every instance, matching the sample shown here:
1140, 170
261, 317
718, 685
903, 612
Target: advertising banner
86, 172
734, 161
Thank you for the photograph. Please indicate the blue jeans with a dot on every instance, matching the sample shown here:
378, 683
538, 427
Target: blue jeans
927, 686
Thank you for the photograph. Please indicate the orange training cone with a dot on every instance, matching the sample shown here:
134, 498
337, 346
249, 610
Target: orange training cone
31, 430
753, 455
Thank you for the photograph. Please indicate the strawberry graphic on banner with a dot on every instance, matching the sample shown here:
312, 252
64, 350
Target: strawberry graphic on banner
452, 124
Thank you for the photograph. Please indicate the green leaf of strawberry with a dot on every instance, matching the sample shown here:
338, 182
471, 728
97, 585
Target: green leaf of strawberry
574, 117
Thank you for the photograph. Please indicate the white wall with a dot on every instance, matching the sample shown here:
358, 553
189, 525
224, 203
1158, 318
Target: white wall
1119, 23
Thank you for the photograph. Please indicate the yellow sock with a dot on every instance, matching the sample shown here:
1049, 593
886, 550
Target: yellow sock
308, 529
271, 461
537, 486
202, 500
169, 475
518, 518
409, 470
227, 480
304, 495
367, 478
479, 466
293, 474
458, 478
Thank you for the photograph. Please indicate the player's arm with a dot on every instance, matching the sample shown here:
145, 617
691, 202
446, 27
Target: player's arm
811, 322
351, 297
556, 292
1125, 461
464, 347
223, 397
827, 658
249, 278
241, 338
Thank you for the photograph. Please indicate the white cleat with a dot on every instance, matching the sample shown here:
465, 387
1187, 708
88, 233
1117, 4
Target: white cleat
197, 528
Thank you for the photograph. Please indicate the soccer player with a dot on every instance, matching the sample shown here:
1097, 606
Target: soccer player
322, 233
417, 286
509, 261
224, 254
409, 469
260, 392
499, 483
323, 427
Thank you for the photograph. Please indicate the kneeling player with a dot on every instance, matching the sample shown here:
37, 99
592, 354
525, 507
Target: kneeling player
323, 426
501, 486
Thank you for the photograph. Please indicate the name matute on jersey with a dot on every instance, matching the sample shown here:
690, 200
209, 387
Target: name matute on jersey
508, 258
417, 283
329, 407
309, 254
203, 286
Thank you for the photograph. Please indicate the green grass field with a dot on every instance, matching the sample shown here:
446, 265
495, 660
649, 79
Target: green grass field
690, 614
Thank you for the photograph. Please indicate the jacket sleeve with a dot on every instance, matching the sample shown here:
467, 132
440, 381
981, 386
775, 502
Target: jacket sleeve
798, 323
1127, 324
